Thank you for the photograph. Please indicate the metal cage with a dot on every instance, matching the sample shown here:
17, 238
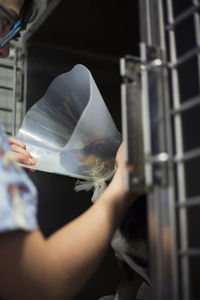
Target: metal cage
167, 110
170, 78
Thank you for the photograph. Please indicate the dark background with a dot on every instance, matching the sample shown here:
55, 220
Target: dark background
96, 34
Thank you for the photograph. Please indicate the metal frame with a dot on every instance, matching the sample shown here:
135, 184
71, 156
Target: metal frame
132, 121
18, 64
11, 89
164, 161
159, 173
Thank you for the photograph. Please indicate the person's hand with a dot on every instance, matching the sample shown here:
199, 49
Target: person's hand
119, 177
119, 180
20, 152
118, 183
116, 197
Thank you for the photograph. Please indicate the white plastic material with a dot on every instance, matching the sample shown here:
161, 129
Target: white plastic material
70, 130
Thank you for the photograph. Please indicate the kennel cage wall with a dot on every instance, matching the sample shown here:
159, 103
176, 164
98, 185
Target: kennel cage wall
169, 73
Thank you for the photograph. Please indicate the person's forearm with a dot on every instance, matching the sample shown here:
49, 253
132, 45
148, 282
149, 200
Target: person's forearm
81, 244
58, 267
78, 248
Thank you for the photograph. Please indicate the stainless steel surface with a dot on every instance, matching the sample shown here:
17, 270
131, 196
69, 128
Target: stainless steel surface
17, 63
169, 205
14, 106
158, 153
179, 151
132, 122
11, 91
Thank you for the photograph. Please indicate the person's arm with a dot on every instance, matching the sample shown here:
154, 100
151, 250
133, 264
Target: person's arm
58, 267
21, 154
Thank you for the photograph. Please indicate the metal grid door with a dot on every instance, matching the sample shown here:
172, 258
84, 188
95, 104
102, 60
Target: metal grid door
170, 54
11, 91
13, 74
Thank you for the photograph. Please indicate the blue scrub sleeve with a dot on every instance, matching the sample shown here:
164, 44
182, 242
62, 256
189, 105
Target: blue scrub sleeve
18, 195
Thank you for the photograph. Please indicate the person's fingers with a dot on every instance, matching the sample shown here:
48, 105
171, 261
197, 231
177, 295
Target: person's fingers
30, 170
14, 141
120, 160
24, 158
22, 155
17, 149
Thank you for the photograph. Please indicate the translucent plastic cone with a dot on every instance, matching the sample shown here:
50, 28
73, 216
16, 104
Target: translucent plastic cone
70, 130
